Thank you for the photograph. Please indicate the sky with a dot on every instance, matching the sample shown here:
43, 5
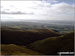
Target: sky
37, 10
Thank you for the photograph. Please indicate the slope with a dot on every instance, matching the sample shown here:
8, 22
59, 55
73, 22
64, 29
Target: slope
24, 37
64, 43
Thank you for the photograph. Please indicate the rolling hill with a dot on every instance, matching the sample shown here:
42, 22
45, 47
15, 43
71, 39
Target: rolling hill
64, 43
35, 42
24, 37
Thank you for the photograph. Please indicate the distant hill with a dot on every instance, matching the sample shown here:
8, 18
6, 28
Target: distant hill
64, 43
24, 37
12, 49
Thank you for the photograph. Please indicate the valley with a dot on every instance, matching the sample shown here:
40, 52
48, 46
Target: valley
29, 38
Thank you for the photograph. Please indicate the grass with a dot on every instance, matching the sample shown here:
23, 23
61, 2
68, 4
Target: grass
54, 44
25, 37
35, 42
12, 49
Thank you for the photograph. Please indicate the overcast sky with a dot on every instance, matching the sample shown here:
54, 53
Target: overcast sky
37, 10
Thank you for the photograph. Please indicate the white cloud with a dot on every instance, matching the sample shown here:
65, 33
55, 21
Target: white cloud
41, 10
62, 11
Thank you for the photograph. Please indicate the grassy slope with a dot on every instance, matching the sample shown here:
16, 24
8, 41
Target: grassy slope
54, 45
12, 49
44, 41
23, 37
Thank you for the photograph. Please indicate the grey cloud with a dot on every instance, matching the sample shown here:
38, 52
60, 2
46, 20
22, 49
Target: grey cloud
3, 12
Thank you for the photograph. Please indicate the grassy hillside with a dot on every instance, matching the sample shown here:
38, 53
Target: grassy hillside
12, 49
34, 42
23, 37
54, 44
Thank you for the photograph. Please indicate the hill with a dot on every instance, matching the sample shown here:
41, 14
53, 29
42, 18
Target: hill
64, 43
12, 49
24, 37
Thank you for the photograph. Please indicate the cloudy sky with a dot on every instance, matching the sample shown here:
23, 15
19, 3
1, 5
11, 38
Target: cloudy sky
37, 10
